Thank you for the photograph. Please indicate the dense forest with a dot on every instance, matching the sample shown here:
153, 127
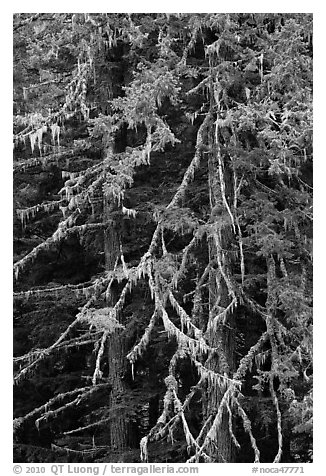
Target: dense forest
162, 237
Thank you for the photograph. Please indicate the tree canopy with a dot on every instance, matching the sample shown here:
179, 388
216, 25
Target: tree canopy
163, 237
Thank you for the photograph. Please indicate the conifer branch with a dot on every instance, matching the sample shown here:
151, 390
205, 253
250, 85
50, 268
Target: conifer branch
279, 421
61, 233
96, 424
185, 254
187, 177
52, 414
246, 361
44, 409
97, 372
271, 304
221, 267
191, 442
185, 319
78, 289
139, 348
40, 355
194, 164
199, 86
235, 205
222, 316
247, 427
221, 175
196, 346
191, 43
27, 213
165, 424
197, 299
55, 158
213, 431
203, 429
26, 21
80, 453
44, 353
85, 289
99, 286
216, 379
233, 437
74, 343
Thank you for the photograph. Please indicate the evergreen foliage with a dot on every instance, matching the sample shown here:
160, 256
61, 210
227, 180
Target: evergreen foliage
163, 237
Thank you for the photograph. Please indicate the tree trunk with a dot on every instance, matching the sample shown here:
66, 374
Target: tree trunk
119, 427
220, 335
116, 344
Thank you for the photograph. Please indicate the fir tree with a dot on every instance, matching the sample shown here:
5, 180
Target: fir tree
163, 256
